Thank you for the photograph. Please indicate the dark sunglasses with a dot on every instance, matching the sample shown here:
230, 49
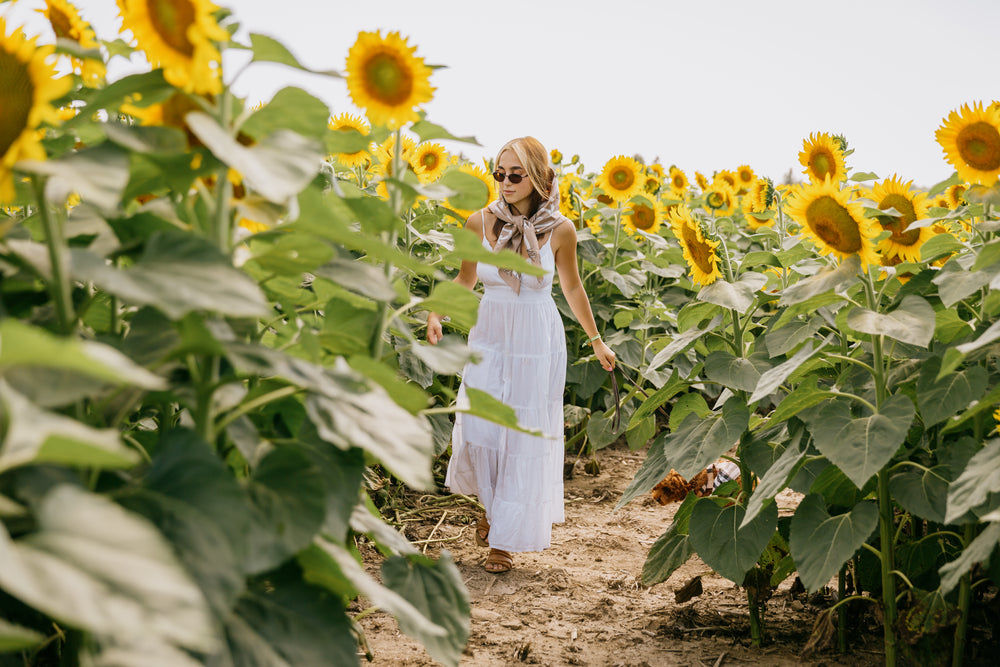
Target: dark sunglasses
498, 176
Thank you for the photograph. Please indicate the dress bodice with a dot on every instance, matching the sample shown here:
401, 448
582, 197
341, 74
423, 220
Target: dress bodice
531, 286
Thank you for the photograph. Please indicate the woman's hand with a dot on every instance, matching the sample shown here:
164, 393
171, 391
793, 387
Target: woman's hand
604, 354
434, 332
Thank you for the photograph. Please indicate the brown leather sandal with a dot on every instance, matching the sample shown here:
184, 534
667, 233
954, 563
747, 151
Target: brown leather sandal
498, 561
483, 532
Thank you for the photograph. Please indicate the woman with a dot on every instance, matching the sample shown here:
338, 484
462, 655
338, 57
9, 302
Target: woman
520, 341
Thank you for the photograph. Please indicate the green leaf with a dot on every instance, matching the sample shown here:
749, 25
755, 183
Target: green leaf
939, 399
771, 379
39, 436
470, 192
774, 481
862, 176
831, 279
987, 256
787, 338
451, 299
949, 326
483, 405
358, 277
435, 588
447, 357
140, 89
278, 167
17, 638
685, 405
26, 346
178, 273
98, 174
267, 49
860, 446
739, 296
640, 432
406, 394
469, 247
428, 131
912, 322
95, 566
978, 480
979, 550
923, 493
804, 396
147, 138
290, 109
672, 387
672, 549
681, 342
955, 284
821, 543
719, 541
940, 245
601, 432
985, 338
730, 371
288, 501
988, 402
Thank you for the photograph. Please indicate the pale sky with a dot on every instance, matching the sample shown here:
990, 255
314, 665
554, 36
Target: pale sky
700, 84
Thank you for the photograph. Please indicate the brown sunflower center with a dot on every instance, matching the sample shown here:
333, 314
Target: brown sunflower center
621, 178
701, 253
979, 145
833, 224
171, 21
430, 160
822, 164
16, 94
678, 182
61, 25
387, 78
897, 226
643, 217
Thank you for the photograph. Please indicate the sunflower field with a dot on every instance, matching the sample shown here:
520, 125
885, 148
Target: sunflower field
212, 371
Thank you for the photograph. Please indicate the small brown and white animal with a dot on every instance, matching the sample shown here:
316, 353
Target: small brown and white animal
674, 488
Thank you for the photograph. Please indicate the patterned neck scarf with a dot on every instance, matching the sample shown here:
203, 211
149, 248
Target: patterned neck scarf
519, 230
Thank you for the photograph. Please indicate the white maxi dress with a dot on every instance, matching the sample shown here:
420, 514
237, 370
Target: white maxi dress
520, 342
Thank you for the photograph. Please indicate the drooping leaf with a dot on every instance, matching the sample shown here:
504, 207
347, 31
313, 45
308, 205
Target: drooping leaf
17, 638
270, 50
939, 399
771, 379
470, 192
290, 109
785, 339
730, 371
681, 342
359, 277
860, 446
773, 481
912, 322
719, 541
672, 549
451, 299
467, 246
828, 280
95, 566
436, 589
955, 283
978, 551
483, 405
738, 296
923, 493
821, 543
802, 397
98, 174
977, 481
428, 131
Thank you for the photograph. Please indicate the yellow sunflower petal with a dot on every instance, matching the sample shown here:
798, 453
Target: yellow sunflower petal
970, 138
67, 23
903, 242
386, 79
836, 224
345, 122
429, 160
698, 250
823, 157
645, 216
621, 179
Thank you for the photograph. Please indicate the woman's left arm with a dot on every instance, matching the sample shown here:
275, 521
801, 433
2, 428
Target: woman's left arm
564, 248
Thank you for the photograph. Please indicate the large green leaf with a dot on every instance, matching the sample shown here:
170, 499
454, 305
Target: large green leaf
177, 273
821, 543
834, 278
774, 480
785, 339
912, 322
941, 398
860, 446
671, 388
98, 174
483, 405
686, 404
23, 345
736, 373
922, 492
278, 167
435, 588
35, 435
359, 277
738, 296
17, 638
269, 50
466, 245
978, 480
290, 109
95, 566
672, 549
955, 283
288, 501
448, 357
680, 343
428, 131
719, 541
451, 299
771, 379
281, 621
470, 192
979, 550
802, 397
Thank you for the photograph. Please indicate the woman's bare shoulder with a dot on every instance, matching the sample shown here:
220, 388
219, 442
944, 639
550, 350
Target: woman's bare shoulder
477, 222
565, 232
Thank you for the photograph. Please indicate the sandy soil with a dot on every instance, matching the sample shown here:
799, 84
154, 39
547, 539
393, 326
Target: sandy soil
580, 602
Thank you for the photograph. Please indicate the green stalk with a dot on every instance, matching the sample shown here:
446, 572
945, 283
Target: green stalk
59, 286
842, 611
396, 201
964, 598
614, 251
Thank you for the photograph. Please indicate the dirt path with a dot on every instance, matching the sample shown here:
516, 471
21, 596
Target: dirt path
580, 602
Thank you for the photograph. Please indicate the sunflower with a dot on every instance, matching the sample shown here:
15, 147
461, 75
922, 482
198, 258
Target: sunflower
955, 195
621, 179
912, 205
645, 216
568, 184
657, 169
484, 175
719, 200
346, 122
179, 36
386, 79
744, 178
699, 251
68, 24
835, 223
678, 182
823, 156
725, 179
756, 201
971, 142
555, 156
27, 88
429, 160
700, 179
939, 201
383, 154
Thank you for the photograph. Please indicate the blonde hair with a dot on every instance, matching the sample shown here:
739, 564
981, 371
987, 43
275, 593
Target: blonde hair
535, 160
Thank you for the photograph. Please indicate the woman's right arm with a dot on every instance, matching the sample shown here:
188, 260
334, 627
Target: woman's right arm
466, 278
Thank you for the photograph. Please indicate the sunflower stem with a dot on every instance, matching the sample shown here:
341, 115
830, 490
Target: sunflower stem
395, 201
59, 286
